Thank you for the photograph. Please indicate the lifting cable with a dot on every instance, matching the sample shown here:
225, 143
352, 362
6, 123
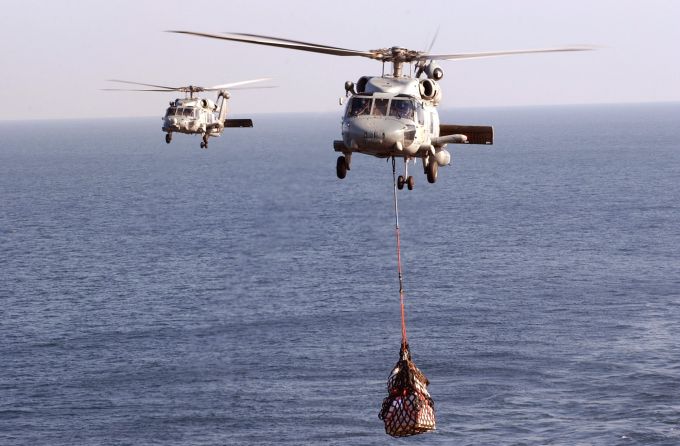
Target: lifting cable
404, 340
408, 408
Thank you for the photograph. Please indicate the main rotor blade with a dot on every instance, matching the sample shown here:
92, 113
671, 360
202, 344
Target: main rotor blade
499, 53
434, 39
145, 85
132, 89
282, 43
234, 84
299, 42
243, 88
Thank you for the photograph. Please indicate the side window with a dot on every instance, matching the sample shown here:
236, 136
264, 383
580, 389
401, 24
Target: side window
421, 115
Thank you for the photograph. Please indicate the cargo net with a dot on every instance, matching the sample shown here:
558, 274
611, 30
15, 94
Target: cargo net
408, 409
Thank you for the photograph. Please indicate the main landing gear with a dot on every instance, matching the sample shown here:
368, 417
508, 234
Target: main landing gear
406, 179
204, 143
342, 166
431, 170
168, 137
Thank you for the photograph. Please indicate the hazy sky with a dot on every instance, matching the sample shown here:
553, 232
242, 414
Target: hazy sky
56, 55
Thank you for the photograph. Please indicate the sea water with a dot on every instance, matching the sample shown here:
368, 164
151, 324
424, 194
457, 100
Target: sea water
157, 294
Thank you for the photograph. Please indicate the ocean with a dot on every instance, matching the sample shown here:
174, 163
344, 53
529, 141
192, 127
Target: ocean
157, 294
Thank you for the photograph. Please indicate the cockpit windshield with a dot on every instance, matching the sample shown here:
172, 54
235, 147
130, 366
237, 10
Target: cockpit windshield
359, 107
401, 108
380, 107
188, 112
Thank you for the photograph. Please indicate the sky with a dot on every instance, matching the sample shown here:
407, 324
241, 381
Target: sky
57, 55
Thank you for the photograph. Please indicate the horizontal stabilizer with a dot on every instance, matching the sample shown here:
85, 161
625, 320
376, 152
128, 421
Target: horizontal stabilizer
456, 138
476, 134
238, 123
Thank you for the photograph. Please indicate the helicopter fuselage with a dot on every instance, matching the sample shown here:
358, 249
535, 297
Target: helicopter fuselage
394, 117
397, 117
192, 116
389, 117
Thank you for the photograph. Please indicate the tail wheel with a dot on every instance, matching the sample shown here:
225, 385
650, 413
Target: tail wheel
432, 171
400, 182
410, 182
341, 167
168, 137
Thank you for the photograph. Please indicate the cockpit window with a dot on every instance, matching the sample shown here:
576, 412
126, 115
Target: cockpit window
188, 112
171, 111
402, 109
359, 107
399, 108
380, 107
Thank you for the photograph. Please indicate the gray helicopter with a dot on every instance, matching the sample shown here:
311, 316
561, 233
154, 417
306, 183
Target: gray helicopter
193, 115
395, 114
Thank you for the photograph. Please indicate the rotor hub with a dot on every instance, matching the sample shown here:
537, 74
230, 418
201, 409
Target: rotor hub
396, 54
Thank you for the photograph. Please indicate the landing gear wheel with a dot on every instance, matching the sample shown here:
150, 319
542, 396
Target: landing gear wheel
203, 146
410, 182
168, 137
432, 171
341, 167
400, 182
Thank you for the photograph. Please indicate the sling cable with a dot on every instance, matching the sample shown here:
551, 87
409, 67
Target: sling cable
408, 409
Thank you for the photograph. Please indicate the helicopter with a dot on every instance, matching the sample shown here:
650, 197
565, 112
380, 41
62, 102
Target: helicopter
193, 115
394, 115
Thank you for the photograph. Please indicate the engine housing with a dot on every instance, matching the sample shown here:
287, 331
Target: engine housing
430, 90
434, 71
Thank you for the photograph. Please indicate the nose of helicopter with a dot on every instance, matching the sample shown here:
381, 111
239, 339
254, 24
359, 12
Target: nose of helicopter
170, 123
373, 135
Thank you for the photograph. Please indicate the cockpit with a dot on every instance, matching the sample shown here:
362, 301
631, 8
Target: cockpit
186, 112
401, 108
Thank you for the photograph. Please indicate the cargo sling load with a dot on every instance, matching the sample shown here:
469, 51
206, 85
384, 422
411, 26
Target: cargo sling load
408, 408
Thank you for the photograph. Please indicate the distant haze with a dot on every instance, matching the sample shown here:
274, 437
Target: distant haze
56, 56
